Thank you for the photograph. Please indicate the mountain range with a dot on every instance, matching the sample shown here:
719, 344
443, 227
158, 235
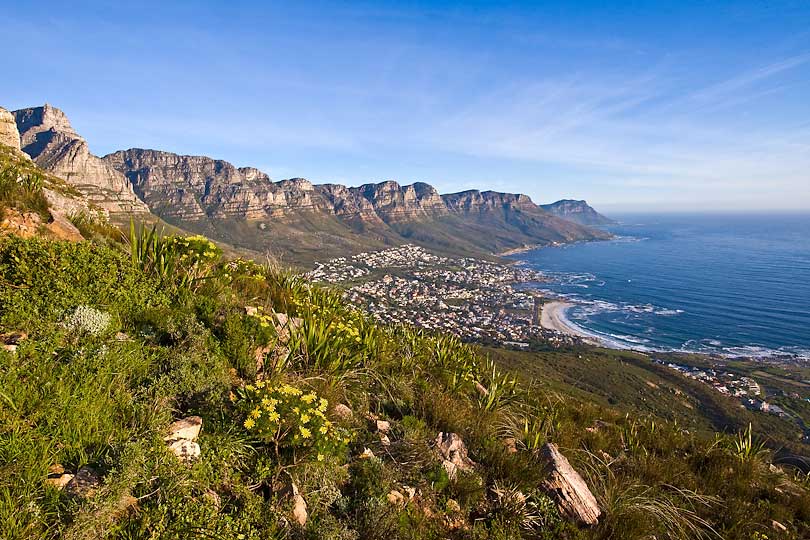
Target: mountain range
294, 218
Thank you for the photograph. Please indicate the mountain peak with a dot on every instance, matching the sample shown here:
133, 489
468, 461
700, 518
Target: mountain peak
577, 210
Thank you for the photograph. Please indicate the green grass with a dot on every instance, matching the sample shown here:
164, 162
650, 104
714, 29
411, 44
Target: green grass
97, 398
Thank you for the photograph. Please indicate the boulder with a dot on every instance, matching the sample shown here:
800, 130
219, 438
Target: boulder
574, 500
181, 437
454, 452
187, 451
61, 228
186, 428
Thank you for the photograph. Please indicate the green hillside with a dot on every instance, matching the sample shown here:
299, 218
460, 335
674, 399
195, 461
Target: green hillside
122, 341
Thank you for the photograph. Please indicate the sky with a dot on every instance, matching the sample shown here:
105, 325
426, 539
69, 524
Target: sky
634, 106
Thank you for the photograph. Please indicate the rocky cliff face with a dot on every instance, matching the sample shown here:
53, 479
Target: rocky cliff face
212, 194
9, 135
49, 139
244, 207
578, 211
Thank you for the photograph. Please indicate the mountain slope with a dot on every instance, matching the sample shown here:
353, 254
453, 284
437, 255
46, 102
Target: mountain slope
578, 211
306, 221
47, 136
293, 218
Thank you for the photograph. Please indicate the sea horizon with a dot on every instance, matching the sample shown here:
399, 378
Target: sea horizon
731, 284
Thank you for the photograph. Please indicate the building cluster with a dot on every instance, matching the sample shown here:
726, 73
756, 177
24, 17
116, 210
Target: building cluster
473, 299
745, 388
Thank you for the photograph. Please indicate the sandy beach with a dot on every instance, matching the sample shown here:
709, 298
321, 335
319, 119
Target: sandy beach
552, 317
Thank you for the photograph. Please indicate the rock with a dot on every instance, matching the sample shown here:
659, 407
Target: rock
121, 336
396, 498
258, 355
251, 310
9, 136
510, 445
186, 450
452, 506
384, 439
367, 454
22, 224
11, 340
299, 507
383, 426
56, 468
61, 228
574, 500
452, 449
186, 428
342, 412
47, 136
60, 481
410, 491
775, 525
85, 483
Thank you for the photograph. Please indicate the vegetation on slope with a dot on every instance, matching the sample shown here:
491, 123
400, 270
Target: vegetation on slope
122, 343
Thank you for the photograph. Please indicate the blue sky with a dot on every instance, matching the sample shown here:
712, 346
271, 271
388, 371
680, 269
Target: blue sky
636, 106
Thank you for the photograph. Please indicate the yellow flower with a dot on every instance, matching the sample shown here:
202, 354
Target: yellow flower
249, 423
320, 457
309, 398
273, 416
305, 418
305, 433
323, 430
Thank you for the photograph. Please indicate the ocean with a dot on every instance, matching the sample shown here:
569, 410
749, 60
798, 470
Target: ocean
735, 285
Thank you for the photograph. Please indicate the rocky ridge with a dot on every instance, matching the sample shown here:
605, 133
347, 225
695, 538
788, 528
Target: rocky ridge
243, 206
48, 138
578, 211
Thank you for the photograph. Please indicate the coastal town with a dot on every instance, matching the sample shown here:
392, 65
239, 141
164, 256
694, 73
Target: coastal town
474, 299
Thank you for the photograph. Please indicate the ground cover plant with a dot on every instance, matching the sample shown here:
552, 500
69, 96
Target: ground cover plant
318, 410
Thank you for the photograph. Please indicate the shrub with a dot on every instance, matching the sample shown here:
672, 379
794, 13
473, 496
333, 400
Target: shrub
290, 419
87, 320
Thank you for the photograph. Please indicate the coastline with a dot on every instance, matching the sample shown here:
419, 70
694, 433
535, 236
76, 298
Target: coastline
518, 250
552, 317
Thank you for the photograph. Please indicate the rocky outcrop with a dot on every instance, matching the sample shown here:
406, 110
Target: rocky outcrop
478, 201
9, 135
245, 208
574, 500
393, 202
454, 454
48, 138
577, 211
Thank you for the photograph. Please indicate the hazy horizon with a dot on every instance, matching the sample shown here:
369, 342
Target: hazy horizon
662, 107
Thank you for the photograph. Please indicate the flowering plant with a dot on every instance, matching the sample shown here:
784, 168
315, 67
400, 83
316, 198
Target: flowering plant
241, 268
289, 418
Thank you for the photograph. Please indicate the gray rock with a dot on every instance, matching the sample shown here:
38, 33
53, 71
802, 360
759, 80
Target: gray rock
574, 500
